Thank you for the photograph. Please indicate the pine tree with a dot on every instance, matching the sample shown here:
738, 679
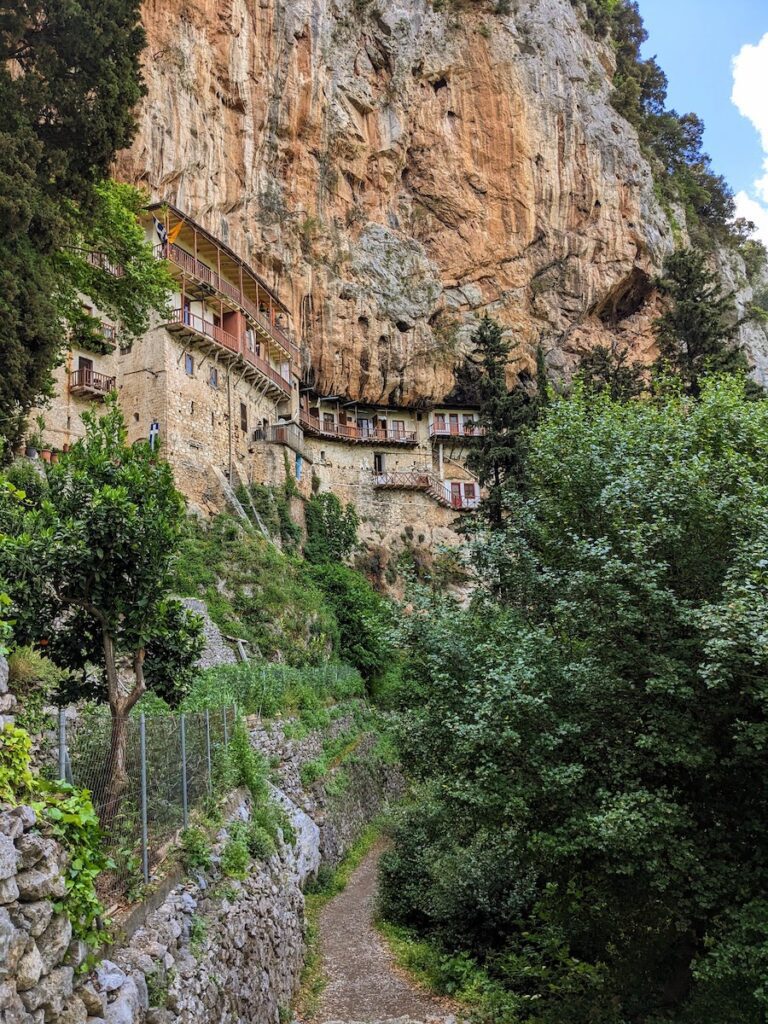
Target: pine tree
609, 369
496, 459
696, 335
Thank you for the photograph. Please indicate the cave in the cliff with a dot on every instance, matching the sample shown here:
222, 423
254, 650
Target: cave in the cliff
625, 298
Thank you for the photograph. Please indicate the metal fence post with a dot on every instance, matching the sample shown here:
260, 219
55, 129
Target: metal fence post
184, 808
208, 748
226, 729
62, 744
144, 830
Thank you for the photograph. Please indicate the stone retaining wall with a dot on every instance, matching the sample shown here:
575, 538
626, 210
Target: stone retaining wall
340, 812
38, 957
217, 949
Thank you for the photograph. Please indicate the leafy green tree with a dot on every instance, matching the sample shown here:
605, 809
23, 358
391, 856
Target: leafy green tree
590, 730
69, 80
696, 333
496, 457
610, 369
93, 560
331, 529
364, 617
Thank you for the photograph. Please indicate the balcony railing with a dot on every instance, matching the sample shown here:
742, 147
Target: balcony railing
187, 262
207, 329
357, 435
228, 341
100, 260
443, 430
109, 333
283, 433
88, 380
423, 480
268, 371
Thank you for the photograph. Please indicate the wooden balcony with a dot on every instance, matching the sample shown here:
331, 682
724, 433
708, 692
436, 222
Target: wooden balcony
424, 480
214, 338
211, 280
86, 381
100, 260
288, 434
352, 434
109, 334
449, 432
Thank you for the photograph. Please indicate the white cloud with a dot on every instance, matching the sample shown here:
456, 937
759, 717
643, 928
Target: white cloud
750, 89
748, 207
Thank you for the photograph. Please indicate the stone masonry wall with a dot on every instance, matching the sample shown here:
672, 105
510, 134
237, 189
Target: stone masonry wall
38, 957
341, 813
217, 948
391, 521
200, 424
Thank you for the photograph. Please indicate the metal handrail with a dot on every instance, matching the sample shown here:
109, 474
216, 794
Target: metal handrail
283, 433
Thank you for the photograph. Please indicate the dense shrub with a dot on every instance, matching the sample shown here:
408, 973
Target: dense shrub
331, 529
586, 822
364, 617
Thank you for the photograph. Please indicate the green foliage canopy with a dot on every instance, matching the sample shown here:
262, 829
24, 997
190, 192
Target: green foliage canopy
331, 529
69, 80
364, 617
93, 559
496, 457
590, 731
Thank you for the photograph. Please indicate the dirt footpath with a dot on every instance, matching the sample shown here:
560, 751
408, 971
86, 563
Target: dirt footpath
364, 985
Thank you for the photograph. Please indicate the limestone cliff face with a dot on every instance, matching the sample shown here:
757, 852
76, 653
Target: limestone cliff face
396, 170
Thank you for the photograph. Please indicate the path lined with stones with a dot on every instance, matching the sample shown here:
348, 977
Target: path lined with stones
364, 985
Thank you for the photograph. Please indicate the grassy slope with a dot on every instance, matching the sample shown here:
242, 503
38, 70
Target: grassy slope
254, 591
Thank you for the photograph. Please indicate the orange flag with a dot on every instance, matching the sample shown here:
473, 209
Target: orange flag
173, 234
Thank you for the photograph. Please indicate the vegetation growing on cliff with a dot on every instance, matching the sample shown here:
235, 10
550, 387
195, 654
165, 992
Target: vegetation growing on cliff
586, 825
672, 141
255, 592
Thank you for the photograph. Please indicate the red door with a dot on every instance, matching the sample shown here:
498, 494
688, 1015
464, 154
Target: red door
456, 495
453, 419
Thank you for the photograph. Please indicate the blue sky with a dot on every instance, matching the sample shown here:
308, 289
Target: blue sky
695, 42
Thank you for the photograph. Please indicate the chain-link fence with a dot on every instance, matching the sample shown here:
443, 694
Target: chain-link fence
145, 788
